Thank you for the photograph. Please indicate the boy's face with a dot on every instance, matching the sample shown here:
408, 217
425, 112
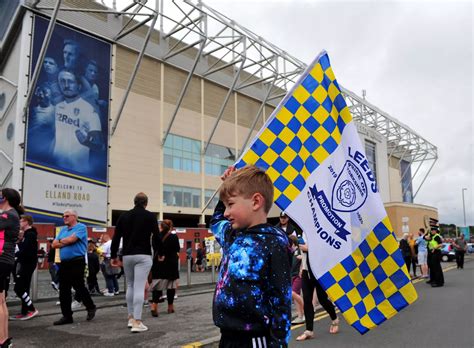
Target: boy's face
239, 211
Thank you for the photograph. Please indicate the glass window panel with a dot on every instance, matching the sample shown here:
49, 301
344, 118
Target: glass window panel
168, 161
196, 166
178, 142
178, 196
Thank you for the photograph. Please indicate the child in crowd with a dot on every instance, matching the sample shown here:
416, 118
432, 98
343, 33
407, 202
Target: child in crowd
252, 301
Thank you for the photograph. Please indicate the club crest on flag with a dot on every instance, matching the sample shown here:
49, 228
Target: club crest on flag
350, 190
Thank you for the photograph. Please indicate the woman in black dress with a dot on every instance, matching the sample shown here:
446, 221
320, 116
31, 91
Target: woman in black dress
165, 271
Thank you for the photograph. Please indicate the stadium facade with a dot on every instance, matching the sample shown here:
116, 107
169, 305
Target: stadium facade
179, 90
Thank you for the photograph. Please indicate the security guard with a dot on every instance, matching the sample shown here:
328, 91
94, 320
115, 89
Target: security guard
435, 244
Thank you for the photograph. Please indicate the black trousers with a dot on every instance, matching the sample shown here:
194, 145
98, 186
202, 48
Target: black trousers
309, 283
22, 286
71, 275
240, 339
436, 272
460, 258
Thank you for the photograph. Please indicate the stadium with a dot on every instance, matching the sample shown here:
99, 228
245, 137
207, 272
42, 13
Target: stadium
180, 90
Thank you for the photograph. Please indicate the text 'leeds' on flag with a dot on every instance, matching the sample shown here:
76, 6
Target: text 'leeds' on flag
311, 150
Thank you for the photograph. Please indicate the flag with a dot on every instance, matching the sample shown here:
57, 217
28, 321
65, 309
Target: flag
311, 150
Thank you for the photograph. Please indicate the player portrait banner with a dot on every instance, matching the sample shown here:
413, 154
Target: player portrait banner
322, 179
67, 129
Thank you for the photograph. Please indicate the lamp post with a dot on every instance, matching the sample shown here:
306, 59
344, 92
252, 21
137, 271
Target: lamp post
463, 206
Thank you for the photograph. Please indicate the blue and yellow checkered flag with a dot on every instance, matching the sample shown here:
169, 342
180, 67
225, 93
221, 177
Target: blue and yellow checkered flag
311, 150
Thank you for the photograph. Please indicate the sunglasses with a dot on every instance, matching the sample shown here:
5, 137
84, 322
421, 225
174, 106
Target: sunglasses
66, 216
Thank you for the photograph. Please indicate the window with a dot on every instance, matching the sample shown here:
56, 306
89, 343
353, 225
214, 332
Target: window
181, 153
218, 158
370, 148
181, 196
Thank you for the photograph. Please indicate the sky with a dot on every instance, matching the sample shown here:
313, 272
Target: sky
413, 58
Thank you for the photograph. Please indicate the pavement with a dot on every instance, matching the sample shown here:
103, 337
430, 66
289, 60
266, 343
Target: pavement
449, 308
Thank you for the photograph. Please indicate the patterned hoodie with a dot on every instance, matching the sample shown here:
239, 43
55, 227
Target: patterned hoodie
253, 292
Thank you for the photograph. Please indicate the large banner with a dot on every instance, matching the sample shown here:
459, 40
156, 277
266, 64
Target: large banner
322, 179
67, 128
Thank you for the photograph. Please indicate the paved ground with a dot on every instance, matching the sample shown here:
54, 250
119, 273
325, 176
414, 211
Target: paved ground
442, 317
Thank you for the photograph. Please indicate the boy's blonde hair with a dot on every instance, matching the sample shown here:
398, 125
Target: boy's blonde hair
246, 182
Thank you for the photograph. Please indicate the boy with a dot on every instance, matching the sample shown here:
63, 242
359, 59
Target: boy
252, 301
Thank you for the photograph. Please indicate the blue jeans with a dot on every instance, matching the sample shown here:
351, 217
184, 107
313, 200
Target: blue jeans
111, 282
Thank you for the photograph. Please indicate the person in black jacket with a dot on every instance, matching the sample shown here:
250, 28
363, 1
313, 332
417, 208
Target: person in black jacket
94, 268
252, 300
27, 259
164, 271
136, 227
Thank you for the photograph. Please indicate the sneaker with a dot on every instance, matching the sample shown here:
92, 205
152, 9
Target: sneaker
109, 294
298, 320
58, 303
139, 328
18, 317
55, 286
146, 304
63, 321
30, 315
130, 323
117, 293
75, 305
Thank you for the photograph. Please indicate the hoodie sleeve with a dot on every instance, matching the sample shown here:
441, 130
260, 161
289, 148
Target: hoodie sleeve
280, 295
220, 225
29, 247
116, 238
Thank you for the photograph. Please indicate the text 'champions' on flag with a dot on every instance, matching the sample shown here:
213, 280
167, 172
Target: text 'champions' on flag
322, 179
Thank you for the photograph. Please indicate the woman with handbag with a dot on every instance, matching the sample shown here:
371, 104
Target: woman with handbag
164, 271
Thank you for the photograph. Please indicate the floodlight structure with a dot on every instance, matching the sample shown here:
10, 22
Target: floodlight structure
205, 43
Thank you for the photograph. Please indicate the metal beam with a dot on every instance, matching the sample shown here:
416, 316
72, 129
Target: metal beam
39, 62
134, 73
224, 104
183, 91
423, 181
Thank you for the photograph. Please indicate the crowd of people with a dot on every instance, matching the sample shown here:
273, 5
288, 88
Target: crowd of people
424, 252
263, 269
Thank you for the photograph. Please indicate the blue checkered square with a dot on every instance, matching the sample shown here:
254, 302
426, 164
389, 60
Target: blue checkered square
397, 301
364, 269
281, 183
311, 125
381, 231
343, 303
278, 146
330, 145
311, 104
326, 82
295, 144
298, 164
329, 124
311, 145
398, 258
280, 165
294, 125
379, 274
311, 164
327, 279
399, 278
292, 105
339, 102
283, 202
359, 327
380, 253
327, 104
310, 84
363, 289
378, 296
341, 124
324, 61
346, 284
299, 182
365, 248
376, 316
349, 264
259, 147
276, 126
360, 309
260, 163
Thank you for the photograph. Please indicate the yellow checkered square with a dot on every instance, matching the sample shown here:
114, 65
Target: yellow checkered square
356, 276
336, 292
291, 192
338, 272
389, 266
317, 73
320, 94
354, 296
301, 94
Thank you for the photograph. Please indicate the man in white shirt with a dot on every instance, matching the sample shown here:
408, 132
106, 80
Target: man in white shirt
78, 127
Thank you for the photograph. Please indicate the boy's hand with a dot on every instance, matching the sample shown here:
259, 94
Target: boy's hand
228, 172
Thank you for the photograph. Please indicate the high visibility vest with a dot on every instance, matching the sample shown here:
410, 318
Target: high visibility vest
432, 244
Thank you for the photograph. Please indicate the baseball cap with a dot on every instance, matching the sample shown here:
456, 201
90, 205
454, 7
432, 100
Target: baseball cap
283, 214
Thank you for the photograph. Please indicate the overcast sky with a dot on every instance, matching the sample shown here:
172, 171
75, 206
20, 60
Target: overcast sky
414, 59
